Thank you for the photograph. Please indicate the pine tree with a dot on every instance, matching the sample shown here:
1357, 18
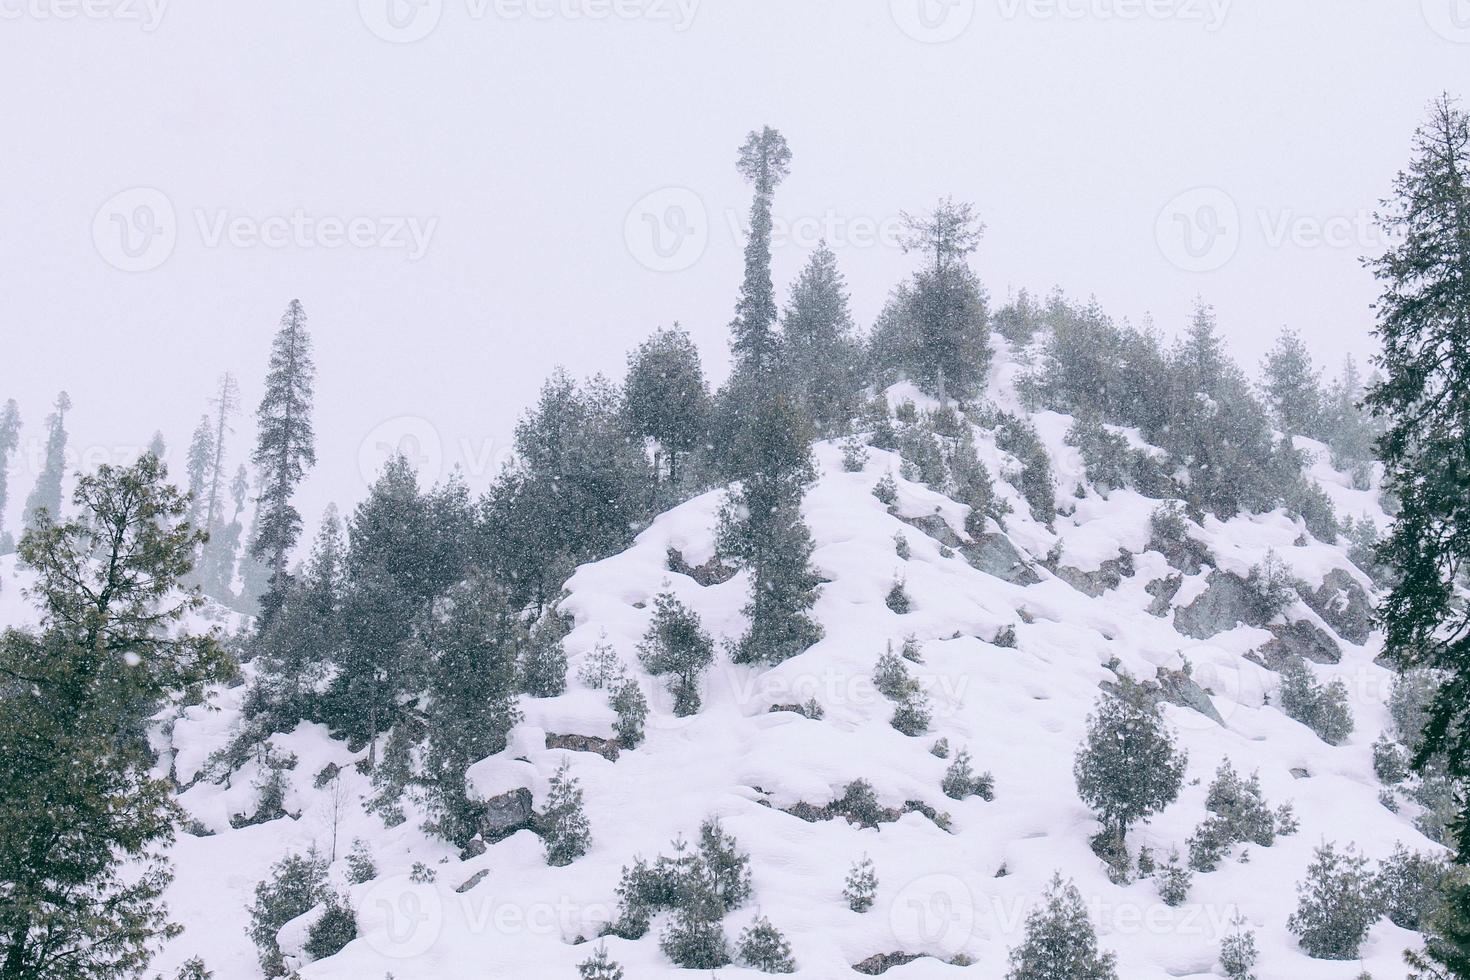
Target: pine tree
628, 702
565, 831
196, 467
599, 966
297, 884
764, 161
729, 866
1128, 768
762, 947
9, 440
226, 402
84, 824
471, 700
1446, 953
1238, 952
676, 644
818, 344
543, 663
861, 886
1174, 880
157, 446
1060, 942
668, 400
332, 930
695, 939
1337, 904
285, 448
1291, 385
46, 494
1423, 318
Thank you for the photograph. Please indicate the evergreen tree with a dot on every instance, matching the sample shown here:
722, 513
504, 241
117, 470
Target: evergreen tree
818, 347
1060, 942
297, 884
1423, 318
1238, 952
861, 886
157, 446
1446, 953
729, 866
84, 823
668, 400
565, 831
471, 700
599, 966
332, 930
762, 947
226, 403
46, 494
632, 709
677, 645
695, 939
1337, 904
285, 448
764, 161
1291, 385
9, 440
543, 662
1128, 768
196, 467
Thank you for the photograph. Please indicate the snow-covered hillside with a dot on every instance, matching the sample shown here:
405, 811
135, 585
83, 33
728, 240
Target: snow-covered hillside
956, 878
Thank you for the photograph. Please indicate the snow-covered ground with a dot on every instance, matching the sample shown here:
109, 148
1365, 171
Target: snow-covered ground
1020, 711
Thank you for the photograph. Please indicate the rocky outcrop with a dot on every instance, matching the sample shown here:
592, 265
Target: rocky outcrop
472, 881
1225, 604
1343, 604
1109, 575
995, 555
506, 814
1179, 688
1299, 639
935, 527
883, 962
1163, 590
608, 748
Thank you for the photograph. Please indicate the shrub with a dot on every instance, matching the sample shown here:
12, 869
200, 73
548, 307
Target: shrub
961, 782
898, 599
1174, 881
599, 967
632, 710
886, 490
676, 644
601, 668
854, 455
1323, 709
360, 865
333, 929
901, 546
1410, 886
297, 884
762, 947
1270, 587
1238, 952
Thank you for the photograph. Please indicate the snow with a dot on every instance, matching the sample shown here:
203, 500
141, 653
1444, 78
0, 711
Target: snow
1019, 710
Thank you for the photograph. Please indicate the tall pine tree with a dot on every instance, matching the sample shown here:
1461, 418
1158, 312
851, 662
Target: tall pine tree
285, 448
822, 356
764, 161
46, 495
9, 440
1291, 385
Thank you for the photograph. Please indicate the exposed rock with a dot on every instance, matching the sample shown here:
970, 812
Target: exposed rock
841, 807
1178, 688
1163, 590
1300, 774
506, 814
995, 555
1291, 640
606, 747
473, 880
1225, 604
937, 528
1186, 554
883, 962
711, 572
1109, 575
1343, 604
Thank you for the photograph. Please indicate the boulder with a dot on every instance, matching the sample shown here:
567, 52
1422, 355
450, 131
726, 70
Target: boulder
883, 962
1343, 604
994, 554
937, 528
1109, 575
1180, 689
1224, 605
711, 572
506, 814
1163, 590
1298, 639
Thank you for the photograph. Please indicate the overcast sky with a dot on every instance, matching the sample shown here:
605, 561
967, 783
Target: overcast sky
466, 193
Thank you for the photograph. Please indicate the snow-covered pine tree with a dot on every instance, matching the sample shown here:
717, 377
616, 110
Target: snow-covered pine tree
1292, 386
1060, 942
565, 831
668, 400
818, 345
9, 440
1128, 768
762, 947
225, 404
196, 469
631, 706
695, 939
285, 448
46, 494
764, 161
1238, 952
1423, 317
1336, 904
677, 645
861, 886
600, 966
728, 865
297, 884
